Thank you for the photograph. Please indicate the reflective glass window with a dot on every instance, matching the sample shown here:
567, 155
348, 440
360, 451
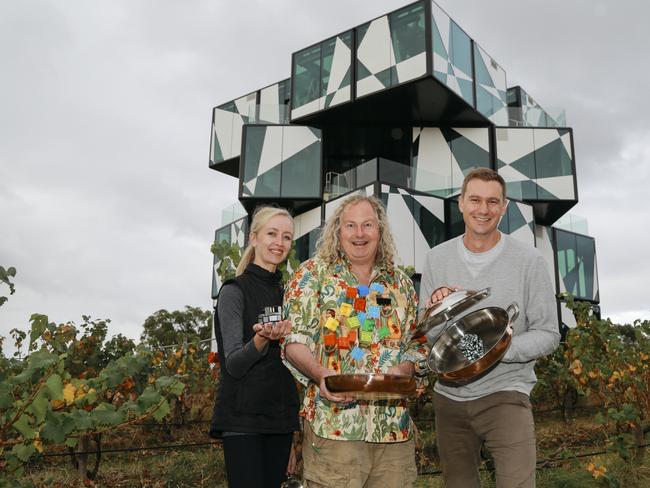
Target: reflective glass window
407, 32
222, 235
301, 174
307, 74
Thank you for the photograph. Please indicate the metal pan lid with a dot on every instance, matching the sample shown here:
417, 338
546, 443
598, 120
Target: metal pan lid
447, 309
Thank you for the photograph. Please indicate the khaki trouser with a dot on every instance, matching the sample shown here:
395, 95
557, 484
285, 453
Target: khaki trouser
504, 421
357, 464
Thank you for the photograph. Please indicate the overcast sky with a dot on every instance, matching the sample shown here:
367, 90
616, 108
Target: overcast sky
107, 205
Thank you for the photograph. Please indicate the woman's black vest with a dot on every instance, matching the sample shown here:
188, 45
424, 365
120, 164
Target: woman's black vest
265, 399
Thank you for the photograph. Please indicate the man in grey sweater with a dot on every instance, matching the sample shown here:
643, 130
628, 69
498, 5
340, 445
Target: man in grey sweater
494, 409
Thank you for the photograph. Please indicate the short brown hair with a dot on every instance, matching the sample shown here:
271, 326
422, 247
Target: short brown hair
484, 174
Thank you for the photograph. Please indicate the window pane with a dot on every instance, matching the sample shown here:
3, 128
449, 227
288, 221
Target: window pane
301, 173
307, 76
407, 32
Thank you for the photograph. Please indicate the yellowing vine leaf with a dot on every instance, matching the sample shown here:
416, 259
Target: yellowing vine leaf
69, 391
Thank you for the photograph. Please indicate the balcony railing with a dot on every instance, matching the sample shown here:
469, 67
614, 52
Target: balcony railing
390, 172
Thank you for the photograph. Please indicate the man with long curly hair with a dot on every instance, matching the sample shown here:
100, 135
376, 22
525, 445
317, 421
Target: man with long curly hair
353, 311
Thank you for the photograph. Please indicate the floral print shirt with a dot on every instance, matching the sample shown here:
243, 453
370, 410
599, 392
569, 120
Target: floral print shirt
353, 328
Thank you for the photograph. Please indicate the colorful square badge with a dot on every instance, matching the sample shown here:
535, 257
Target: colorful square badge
378, 287
373, 312
357, 354
362, 290
353, 322
331, 323
345, 309
365, 337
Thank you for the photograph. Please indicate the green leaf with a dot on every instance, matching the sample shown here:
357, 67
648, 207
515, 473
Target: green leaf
57, 427
25, 376
39, 406
42, 359
24, 427
107, 415
82, 420
54, 386
39, 323
149, 398
71, 442
177, 388
162, 411
165, 381
23, 451
6, 399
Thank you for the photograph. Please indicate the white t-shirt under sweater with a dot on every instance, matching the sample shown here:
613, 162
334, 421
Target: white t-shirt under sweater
515, 272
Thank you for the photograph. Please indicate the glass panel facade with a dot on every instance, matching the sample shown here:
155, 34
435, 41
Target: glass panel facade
407, 33
491, 87
452, 55
301, 174
536, 163
282, 161
455, 223
306, 245
391, 50
576, 261
222, 235
322, 75
307, 75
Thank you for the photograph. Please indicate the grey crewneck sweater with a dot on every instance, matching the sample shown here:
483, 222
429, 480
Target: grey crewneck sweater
517, 274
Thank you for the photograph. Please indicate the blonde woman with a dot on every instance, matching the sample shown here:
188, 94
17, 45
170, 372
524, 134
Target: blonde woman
256, 411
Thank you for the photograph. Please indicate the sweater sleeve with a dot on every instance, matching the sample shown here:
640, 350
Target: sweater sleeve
239, 356
427, 283
542, 335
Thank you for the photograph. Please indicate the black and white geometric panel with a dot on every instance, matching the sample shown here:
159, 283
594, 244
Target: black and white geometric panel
281, 161
274, 102
441, 157
544, 244
532, 114
307, 228
536, 164
519, 222
491, 87
391, 50
332, 205
234, 233
227, 122
576, 265
335, 77
417, 223
452, 55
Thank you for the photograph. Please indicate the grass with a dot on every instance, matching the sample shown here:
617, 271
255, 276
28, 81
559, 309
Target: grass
204, 466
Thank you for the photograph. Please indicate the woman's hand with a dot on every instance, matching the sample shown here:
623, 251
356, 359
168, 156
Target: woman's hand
273, 331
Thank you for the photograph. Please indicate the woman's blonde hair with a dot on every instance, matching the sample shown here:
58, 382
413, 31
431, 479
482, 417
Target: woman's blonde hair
260, 218
328, 246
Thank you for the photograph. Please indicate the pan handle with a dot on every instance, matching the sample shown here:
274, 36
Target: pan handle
513, 312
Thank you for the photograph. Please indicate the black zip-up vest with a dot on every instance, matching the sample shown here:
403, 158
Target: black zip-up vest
265, 399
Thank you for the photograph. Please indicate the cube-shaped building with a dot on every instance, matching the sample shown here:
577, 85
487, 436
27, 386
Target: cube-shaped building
403, 107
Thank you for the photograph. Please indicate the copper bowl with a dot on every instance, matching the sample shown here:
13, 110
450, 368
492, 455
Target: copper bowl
492, 325
371, 386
